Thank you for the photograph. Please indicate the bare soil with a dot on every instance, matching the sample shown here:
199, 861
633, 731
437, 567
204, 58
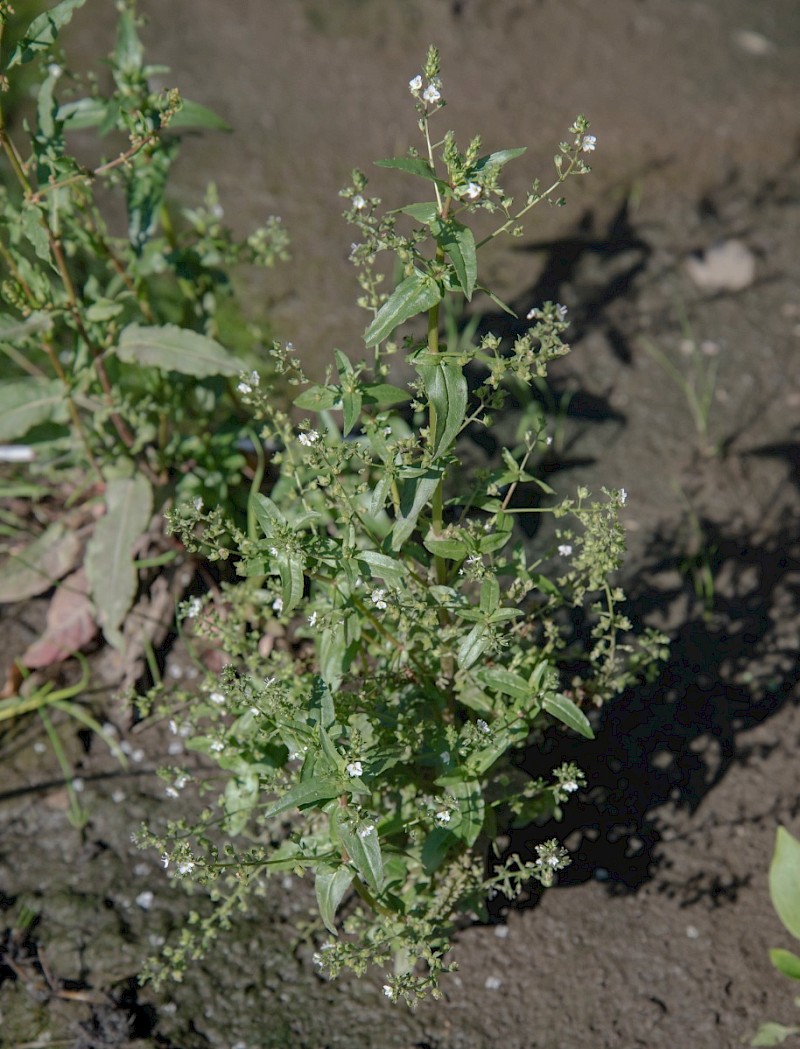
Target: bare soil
657, 935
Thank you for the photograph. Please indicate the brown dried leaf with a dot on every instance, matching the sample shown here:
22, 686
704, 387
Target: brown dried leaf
70, 624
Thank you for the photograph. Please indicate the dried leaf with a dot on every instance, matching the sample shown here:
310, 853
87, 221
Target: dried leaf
70, 624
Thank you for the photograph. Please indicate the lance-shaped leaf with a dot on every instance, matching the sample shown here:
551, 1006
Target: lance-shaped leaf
192, 114
239, 799
467, 823
447, 392
414, 295
330, 886
506, 682
784, 880
307, 792
175, 349
351, 392
498, 159
12, 330
27, 403
412, 166
786, 962
71, 624
472, 646
267, 514
415, 493
426, 213
459, 243
363, 847
318, 398
383, 394
42, 31
109, 553
567, 712
384, 567
290, 569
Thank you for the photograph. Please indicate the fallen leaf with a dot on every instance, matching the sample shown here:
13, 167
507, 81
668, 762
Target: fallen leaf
37, 566
70, 624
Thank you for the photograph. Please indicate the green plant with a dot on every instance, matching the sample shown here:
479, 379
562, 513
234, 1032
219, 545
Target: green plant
115, 374
394, 644
784, 889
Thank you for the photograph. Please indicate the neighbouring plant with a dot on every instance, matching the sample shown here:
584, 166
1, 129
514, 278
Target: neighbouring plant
784, 889
114, 315
394, 642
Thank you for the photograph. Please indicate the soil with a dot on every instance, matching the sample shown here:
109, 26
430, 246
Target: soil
658, 933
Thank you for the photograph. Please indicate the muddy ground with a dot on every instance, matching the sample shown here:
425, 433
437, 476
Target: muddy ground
658, 934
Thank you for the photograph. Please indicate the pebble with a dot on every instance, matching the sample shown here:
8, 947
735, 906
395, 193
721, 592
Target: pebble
692, 932
501, 931
727, 266
493, 983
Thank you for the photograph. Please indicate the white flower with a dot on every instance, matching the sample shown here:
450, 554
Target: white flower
198, 504
307, 439
472, 191
431, 94
217, 746
570, 786
312, 619
386, 988
54, 70
244, 387
482, 726
170, 792
217, 210
549, 440
378, 597
588, 143
366, 831
561, 311
358, 202
165, 859
443, 816
552, 860
415, 85
623, 496
186, 867
565, 549
355, 768
16, 453
218, 698
277, 605
195, 608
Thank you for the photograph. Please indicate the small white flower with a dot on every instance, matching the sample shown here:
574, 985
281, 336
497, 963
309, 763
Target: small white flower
355, 768
165, 859
444, 757
218, 698
588, 143
198, 504
378, 597
443, 816
565, 549
55, 70
358, 202
217, 210
623, 496
245, 388
431, 94
471, 191
549, 441
366, 831
561, 311
309, 438
170, 792
312, 619
552, 860
254, 378
77, 784
415, 85
570, 786
277, 605
217, 746
186, 867
195, 608
482, 726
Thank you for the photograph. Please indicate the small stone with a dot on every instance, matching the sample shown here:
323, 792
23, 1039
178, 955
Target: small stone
727, 266
692, 932
501, 931
493, 983
145, 900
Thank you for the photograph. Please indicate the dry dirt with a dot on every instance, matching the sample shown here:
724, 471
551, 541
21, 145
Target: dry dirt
658, 935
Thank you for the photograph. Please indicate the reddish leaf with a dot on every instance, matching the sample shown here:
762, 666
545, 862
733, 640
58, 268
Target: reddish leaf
70, 624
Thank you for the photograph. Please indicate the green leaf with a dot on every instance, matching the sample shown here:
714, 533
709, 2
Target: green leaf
773, 1034
448, 545
468, 822
42, 32
567, 712
426, 213
175, 349
415, 493
34, 231
472, 646
267, 514
12, 330
128, 52
459, 243
27, 403
447, 391
363, 846
498, 302
307, 792
784, 880
541, 582
506, 682
351, 408
109, 553
292, 581
239, 799
785, 962
318, 398
332, 648
330, 886
81, 114
192, 114
383, 394
490, 594
498, 159
439, 842
414, 295
412, 166
390, 569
